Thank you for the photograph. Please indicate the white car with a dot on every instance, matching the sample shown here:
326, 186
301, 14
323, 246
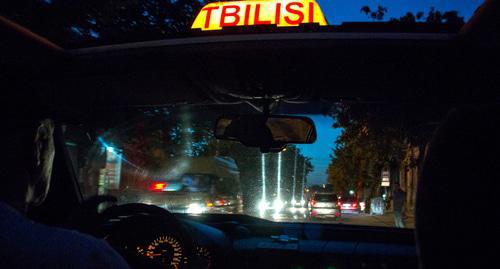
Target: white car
324, 205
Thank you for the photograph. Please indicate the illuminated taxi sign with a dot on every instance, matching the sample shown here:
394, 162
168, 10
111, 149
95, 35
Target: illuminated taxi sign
217, 15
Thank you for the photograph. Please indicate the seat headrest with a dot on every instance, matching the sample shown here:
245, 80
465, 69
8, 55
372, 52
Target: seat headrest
457, 196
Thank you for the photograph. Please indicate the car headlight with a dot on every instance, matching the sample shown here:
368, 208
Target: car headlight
278, 205
196, 208
263, 205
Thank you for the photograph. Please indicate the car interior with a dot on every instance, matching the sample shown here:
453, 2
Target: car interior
450, 77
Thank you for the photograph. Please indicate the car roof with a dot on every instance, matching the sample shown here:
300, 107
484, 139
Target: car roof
358, 67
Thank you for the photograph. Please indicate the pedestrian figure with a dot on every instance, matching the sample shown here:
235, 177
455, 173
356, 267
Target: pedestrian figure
398, 198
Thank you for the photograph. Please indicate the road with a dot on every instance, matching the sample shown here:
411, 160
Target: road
386, 220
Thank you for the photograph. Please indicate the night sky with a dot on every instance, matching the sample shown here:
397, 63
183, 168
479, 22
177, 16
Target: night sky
320, 151
338, 11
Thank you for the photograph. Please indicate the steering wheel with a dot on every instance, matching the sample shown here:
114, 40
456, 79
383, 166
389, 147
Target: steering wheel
147, 236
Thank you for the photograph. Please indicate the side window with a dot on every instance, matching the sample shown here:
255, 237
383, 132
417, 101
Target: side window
79, 146
98, 168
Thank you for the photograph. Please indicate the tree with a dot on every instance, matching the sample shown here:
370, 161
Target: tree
376, 137
106, 21
433, 17
377, 14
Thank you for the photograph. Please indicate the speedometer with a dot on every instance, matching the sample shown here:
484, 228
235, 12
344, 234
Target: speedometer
165, 250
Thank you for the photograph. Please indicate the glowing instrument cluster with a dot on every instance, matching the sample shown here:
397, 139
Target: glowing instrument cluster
165, 250
168, 251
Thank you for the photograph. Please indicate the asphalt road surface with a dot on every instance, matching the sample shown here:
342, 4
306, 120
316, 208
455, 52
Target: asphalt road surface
386, 220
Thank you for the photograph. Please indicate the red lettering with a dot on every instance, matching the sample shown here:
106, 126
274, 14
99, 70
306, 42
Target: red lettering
311, 12
278, 13
247, 14
225, 13
257, 13
297, 12
209, 14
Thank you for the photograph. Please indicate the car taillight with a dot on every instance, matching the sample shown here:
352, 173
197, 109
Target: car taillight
354, 205
158, 186
220, 202
313, 202
339, 204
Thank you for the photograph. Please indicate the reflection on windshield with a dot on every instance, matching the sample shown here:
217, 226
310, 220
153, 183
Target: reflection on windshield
168, 157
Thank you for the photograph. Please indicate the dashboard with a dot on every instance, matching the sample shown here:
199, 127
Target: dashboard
238, 241
257, 243
151, 237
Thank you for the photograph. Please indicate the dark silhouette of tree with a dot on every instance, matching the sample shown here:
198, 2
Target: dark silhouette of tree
419, 15
95, 22
377, 14
433, 16
106, 21
375, 137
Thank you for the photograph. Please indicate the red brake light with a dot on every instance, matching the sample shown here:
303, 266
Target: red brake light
313, 202
220, 202
158, 186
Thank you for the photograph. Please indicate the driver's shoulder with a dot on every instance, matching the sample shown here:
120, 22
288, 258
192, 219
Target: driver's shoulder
27, 242
91, 251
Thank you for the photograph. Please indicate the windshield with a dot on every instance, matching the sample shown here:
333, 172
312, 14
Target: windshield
168, 156
73, 24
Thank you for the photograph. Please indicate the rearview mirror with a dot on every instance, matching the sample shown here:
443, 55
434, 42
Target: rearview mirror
269, 133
